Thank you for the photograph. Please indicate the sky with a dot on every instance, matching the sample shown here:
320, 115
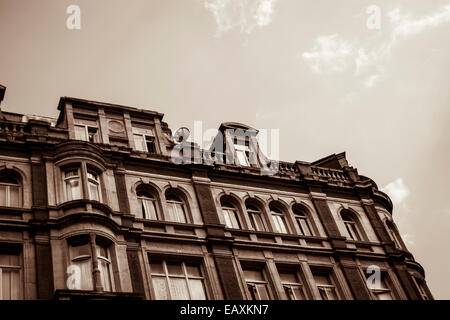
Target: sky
366, 77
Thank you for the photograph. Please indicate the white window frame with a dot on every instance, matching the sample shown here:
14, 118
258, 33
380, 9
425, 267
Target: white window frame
87, 127
147, 135
242, 155
93, 179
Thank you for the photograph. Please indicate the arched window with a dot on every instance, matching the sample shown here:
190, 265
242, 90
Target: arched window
351, 226
393, 233
176, 208
10, 190
256, 218
303, 222
94, 186
230, 215
147, 205
278, 218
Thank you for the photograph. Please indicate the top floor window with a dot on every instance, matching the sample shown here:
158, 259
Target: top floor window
351, 226
86, 130
10, 190
242, 155
144, 140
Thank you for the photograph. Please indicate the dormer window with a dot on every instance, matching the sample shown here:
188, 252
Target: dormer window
242, 155
144, 140
86, 130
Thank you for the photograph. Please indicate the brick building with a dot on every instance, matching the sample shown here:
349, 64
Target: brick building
95, 193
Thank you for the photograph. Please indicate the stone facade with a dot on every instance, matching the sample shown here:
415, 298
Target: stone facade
138, 226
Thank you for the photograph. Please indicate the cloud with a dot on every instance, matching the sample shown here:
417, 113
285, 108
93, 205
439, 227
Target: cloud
397, 191
329, 54
245, 15
333, 54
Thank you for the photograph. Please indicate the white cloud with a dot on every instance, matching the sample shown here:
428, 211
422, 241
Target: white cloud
332, 53
329, 54
397, 191
245, 15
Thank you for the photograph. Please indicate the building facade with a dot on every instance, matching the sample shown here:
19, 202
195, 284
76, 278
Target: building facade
93, 205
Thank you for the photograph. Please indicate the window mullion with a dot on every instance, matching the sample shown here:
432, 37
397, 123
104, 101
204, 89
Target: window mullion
186, 279
166, 272
84, 180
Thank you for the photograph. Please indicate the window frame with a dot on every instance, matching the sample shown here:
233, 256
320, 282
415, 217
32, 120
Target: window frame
85, 169
227, 206
300, 284
144, 204
12, 268
326, 288
174, 205
279, 220
8, 186
251, 285
386, 284
163, 261
87, 128
258, 212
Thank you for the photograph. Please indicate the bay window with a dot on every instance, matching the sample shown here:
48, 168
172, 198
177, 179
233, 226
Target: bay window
72, 182
177, 280
81, 181
94, 186
85, 253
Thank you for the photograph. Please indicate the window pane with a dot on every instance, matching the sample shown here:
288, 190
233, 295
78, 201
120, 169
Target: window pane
149, 208
73, 189
3, 202
384, 296
279, 223
94, 192
175, 269
80, 133
14, 196
257, 222
156, 267
105, 274
242, 158
139, 142
178, 289
197, 289
86, 274
181, 214
193, 270
263, 292
253, 275
160, 287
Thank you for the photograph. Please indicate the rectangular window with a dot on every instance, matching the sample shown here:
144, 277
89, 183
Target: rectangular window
86, 130
325, 284
9, 194
144, 140
257, 284
177, 280
292, 285
10, 283
379, 287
